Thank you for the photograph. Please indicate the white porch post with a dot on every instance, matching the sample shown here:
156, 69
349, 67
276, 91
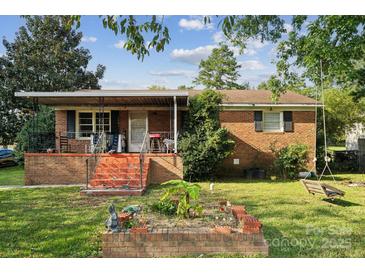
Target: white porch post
175, 125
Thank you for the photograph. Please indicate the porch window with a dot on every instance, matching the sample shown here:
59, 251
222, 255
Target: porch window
104, 123
272, 122
92, 121
85, 124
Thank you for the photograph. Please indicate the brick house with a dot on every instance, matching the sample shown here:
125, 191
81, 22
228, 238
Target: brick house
140, 124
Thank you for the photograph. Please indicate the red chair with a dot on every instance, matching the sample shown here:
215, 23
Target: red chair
155, 142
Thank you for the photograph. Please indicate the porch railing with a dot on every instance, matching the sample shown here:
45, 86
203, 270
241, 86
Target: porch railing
41, 142
112, 141
144, 149
166, 140
93, 160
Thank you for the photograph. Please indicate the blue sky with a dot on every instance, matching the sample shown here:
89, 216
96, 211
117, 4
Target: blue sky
191, 41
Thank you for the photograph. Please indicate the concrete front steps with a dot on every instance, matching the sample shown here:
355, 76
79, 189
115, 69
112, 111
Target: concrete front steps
118, 175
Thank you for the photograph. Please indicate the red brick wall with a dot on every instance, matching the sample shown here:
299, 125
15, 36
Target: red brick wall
160, 120
253, 148
52, 169
60, 125
165, 168
177, 242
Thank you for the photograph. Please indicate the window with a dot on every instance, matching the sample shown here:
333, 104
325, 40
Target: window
104, 121
85, 124
90, 122
272, 121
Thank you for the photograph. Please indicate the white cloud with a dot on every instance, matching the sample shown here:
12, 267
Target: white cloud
192, 56
120, 44
89, 39
252, 65
173, 73
218, 37
194, 24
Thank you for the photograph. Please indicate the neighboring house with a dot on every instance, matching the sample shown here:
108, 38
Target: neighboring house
353, 135
146, 124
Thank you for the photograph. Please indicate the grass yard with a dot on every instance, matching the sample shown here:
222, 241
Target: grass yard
58, 222
12, 175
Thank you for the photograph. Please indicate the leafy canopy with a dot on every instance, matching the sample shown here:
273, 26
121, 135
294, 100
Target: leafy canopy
44, 56
204, 145
336, 41
236, 28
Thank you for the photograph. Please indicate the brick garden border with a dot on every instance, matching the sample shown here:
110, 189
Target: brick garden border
175, 242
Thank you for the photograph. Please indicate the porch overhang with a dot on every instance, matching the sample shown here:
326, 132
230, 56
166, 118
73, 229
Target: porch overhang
110, 97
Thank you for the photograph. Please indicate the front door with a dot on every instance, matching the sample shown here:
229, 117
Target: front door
137, 130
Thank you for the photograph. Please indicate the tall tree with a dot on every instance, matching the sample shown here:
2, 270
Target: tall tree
44, 56
220, 70
335, 41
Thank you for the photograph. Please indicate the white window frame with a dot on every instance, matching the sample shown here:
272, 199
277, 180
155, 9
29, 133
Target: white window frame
93, 120
281, 121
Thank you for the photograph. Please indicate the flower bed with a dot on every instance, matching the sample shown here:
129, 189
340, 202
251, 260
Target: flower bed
221, 229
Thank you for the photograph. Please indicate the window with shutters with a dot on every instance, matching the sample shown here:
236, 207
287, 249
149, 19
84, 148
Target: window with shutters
89, 122
273, 121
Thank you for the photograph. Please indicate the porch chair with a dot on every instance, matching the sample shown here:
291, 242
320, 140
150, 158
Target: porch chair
64, 145
155, 142
315, 187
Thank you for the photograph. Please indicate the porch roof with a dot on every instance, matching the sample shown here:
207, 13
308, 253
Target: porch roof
111, 97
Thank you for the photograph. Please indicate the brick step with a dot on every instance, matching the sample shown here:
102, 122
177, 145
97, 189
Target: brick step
118, 176
133, 160
99, 183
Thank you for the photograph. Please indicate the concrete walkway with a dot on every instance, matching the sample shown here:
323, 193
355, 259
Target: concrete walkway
38, 186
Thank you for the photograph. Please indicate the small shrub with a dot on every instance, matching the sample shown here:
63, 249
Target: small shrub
181, 198
290, 160
165, 207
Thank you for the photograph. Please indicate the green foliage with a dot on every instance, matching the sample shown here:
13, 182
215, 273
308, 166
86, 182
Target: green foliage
185, 87
337, 41
204, 144
165, 207
180, 198
220, 70
290, 160
44, 56
44, 121
236, 28
342, 113
157, 87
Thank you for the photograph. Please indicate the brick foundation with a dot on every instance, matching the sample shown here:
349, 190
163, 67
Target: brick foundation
55, 169
165, 167
177, 243
70, 168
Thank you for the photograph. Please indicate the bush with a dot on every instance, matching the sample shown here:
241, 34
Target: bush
290, 160
27, 138
204, 144
181, 198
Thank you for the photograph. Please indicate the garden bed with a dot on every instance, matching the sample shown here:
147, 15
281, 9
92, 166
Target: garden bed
219, 229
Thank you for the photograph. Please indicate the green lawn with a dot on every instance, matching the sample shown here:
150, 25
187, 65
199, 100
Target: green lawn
58, 222
12, 175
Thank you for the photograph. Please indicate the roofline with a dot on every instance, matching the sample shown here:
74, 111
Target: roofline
60, 94
270, 105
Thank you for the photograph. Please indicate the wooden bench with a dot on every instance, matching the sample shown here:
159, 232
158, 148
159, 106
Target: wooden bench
315, 187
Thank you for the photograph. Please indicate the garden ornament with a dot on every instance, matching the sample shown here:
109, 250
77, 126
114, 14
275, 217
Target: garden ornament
132, 209
112, 224
211, 187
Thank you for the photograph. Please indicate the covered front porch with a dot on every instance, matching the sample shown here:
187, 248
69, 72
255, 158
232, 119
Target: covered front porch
101, 121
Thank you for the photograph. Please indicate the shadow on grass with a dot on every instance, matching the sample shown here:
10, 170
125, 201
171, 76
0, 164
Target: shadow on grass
340, 202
